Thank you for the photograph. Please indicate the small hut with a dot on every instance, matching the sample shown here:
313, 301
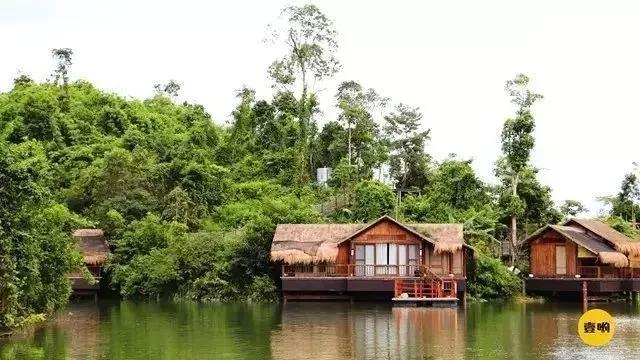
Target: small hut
95, 251
581, 254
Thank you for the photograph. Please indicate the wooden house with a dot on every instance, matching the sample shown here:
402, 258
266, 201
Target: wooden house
384, 258
563, 257
95, 251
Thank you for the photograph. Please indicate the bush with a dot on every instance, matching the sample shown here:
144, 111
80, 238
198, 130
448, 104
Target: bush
372, 200
490, 279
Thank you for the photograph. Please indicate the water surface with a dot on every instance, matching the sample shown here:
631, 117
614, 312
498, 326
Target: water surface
129, 330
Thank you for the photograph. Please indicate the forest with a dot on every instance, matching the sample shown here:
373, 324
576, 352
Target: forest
189, 205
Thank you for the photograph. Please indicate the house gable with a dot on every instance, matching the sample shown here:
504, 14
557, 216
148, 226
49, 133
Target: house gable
385, 229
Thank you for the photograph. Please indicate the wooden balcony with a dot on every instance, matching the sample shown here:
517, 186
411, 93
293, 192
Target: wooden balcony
334, 270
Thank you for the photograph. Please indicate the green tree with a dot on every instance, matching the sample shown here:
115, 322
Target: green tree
625, 203
517, 143
409, 163
356, 106
310, 40
171, 89
372, 200
63, 57
572, 208
36, 249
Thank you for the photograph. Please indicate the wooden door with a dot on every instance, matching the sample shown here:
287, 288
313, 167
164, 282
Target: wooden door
561, 260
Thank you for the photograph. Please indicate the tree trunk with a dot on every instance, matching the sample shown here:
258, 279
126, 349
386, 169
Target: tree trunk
349, 144
514, 225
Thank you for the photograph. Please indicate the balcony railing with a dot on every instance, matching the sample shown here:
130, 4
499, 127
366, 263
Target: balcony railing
429, 287
337, 270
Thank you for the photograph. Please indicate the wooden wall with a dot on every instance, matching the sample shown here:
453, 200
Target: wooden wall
542, 254
387, 231
444, 263
344, 253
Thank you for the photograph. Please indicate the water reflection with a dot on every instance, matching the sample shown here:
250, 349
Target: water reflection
128, 330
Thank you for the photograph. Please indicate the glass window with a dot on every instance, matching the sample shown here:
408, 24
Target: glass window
382, 256
393, 259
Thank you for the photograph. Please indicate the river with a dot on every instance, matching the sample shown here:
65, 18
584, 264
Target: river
315, 331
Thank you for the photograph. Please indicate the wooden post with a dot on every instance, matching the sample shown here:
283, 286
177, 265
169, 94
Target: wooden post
585, 304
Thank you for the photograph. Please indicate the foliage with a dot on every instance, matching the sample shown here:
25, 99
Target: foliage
572, 208
409, 164
625, 204
310, 40
490, 279
372, 200
36, 249
517, 143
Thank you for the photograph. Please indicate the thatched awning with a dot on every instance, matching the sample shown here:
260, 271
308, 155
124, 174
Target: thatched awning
92, 245
613, 258
447, 237
311, 243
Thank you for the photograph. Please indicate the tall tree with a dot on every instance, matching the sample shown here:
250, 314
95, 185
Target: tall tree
517, 143
61, 72
409, 163
242, 137
310, 40
355, 106
625, 203
572, 208
171, 89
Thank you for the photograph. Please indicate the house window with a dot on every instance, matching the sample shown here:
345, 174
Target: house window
385, 259
561, 260
382, 258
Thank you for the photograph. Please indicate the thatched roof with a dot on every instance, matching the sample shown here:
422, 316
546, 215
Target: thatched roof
309, 243
619, 241
92, 245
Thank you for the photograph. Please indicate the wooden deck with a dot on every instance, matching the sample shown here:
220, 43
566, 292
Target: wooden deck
594, 285
325, 284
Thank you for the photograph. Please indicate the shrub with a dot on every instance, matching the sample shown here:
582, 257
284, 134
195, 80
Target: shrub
490, 279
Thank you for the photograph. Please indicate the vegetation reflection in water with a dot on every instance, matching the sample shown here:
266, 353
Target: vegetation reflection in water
131, 330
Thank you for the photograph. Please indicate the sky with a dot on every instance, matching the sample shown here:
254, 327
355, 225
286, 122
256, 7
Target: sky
450, 58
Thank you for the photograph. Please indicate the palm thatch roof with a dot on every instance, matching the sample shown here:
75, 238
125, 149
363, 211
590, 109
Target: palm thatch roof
307, 243
619, 241
447, 237
92, 245
311, 243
